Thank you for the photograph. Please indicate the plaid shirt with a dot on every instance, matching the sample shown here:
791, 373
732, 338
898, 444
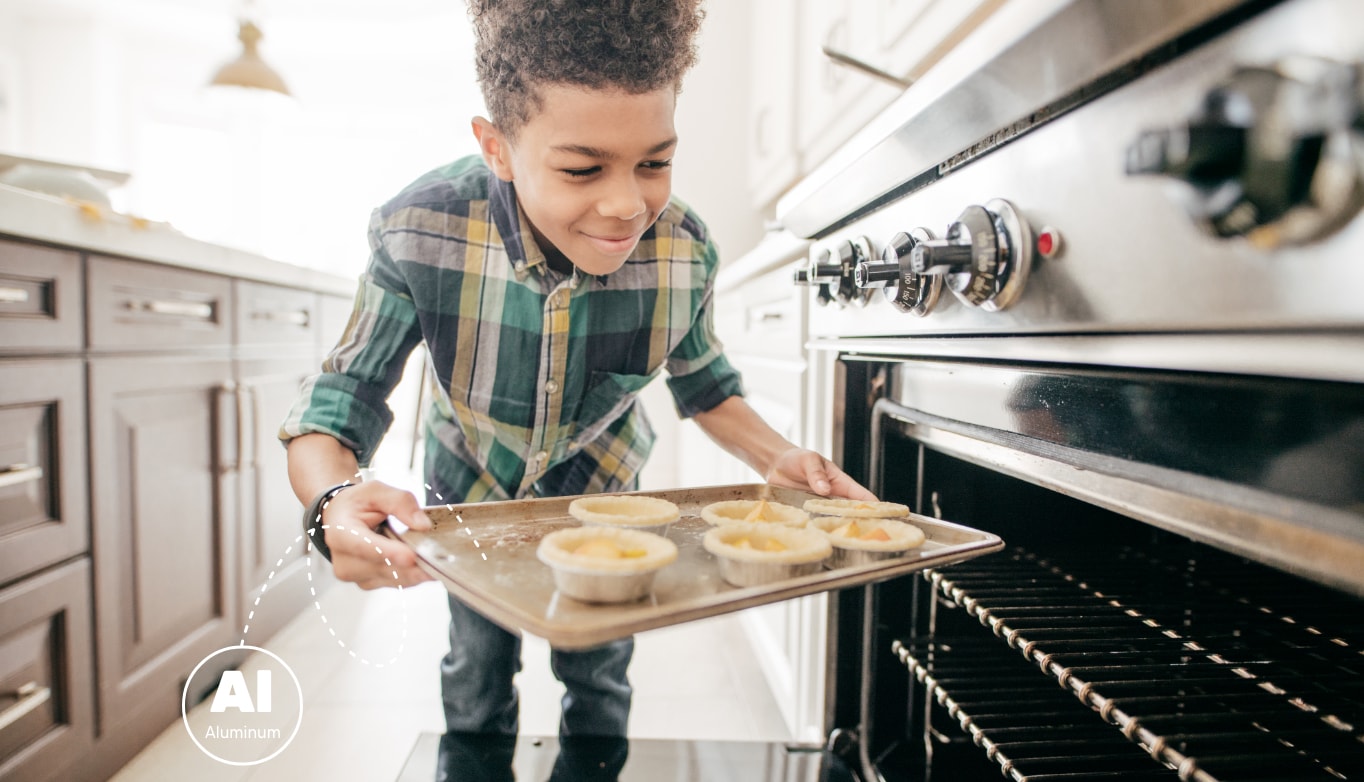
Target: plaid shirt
532, 374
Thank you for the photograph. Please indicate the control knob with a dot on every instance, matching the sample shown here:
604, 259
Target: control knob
833, 269
984, 258
1274, 153
904, 288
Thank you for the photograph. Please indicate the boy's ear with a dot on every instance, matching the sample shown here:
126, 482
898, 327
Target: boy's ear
496, 150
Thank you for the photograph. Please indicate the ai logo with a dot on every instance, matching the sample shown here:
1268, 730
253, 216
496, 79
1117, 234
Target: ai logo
244, 725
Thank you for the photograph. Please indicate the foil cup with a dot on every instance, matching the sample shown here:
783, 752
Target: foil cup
594, 587
744, 573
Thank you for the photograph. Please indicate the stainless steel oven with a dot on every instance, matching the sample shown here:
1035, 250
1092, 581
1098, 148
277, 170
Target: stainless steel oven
1096, 284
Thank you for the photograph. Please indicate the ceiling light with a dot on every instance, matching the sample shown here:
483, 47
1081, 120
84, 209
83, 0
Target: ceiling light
249, 70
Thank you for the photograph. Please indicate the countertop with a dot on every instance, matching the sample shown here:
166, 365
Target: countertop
775, 249
43, 218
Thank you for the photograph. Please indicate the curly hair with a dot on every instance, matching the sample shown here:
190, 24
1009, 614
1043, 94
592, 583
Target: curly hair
633, 45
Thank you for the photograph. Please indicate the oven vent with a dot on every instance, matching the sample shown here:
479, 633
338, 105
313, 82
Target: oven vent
1219, 669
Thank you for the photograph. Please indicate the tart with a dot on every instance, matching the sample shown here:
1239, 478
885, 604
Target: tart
833, 506
754, 511
605, 564
628, 511
857, 541
751, 554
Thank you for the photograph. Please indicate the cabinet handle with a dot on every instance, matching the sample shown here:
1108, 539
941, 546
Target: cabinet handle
291, 317
248, 416
850, 61
13, 295
178, 309
16, 474
31, 696
224, 389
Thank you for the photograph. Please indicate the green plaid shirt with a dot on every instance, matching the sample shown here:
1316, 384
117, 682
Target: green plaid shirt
532, 374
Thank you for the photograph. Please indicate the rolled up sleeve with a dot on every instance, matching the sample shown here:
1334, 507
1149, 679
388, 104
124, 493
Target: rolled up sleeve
700, 377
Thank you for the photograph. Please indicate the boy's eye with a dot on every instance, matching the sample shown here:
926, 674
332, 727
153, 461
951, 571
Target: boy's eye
582, 172
658, 165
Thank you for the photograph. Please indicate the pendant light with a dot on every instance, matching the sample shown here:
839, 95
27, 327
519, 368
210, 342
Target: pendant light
249, 70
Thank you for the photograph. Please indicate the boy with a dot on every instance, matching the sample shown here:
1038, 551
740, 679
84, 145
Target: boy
550, 279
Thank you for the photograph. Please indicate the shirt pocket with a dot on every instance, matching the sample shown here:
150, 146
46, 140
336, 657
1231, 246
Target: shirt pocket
609, 394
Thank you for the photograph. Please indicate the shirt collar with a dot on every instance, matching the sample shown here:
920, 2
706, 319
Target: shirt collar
522, 251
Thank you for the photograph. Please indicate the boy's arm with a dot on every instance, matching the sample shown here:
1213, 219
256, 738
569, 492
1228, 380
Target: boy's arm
318, 462
737, 427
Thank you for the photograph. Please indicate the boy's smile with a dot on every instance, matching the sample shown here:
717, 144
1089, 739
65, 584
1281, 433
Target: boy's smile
592, 170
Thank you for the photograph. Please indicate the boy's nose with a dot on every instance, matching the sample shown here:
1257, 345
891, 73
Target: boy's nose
623, 201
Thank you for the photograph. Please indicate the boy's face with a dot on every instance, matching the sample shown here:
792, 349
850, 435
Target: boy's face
592, 170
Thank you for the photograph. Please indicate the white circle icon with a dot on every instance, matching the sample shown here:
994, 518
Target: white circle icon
255, 709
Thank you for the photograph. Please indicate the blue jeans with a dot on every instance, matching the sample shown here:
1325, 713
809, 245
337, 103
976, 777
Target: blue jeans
476, 680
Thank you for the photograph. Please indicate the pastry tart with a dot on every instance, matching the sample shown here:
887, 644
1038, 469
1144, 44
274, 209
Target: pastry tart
857, 541
751, 554
833, 506
630, 511
605, 564
754, 511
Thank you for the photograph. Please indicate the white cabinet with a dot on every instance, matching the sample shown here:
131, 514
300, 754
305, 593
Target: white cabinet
760, 318
833, 100
772, 159
804, 105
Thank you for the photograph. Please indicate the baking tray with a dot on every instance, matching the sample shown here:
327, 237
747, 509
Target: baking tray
484, 553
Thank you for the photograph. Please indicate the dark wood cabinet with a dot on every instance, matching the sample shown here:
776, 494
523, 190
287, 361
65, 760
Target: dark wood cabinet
43, 516
164, 453
144, 495
40, 298
276, 350
46, 677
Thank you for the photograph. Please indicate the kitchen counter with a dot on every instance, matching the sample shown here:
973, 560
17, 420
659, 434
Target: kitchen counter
774, 250
43, 218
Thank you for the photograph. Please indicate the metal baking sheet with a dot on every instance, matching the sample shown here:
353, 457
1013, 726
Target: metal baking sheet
484, 553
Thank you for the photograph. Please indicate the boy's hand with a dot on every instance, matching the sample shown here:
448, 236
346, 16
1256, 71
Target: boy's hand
798, 468
358, 550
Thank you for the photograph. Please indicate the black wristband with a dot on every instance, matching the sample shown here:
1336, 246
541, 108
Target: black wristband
312, 518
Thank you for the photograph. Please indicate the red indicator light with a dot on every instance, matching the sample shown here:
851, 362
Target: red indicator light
1048, 242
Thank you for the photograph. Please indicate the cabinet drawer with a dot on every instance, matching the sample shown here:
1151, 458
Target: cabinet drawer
271, 315
46, 719
42, 475
143, 306
763, 317
40, 298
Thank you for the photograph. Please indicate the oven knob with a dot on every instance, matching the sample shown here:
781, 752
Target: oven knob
984, 258
907, 290
1274, 153
834, 269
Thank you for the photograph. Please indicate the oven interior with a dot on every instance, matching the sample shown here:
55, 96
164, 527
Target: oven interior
1096, 646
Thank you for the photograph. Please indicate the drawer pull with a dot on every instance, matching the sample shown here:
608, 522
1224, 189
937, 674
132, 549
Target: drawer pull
16, 474
179, 309
13, 295
292, 317
31, 697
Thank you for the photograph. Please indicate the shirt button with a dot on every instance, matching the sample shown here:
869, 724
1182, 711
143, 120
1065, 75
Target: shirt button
519, 266
552, 386
542, 457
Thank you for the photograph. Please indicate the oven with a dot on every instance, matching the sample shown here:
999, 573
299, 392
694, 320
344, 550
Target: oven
1096, 284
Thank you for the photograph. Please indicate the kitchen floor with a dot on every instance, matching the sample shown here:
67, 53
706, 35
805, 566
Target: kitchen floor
699, 680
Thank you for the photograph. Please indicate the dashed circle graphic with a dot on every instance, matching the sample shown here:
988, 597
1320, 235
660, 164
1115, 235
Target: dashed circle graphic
307, 541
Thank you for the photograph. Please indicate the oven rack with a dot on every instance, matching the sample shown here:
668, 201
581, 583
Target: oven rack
1217, 668
1034, 731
